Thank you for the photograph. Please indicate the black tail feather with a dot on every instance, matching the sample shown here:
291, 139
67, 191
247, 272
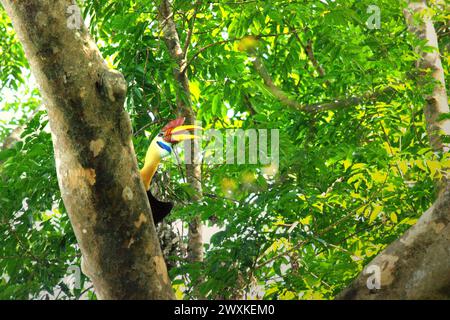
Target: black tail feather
159, 209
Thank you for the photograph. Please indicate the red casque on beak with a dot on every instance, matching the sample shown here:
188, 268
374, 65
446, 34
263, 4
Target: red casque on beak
175, 131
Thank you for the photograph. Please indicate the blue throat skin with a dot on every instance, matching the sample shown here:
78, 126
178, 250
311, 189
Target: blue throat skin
164, 146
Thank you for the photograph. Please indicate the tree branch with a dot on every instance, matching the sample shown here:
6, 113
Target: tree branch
309, 52
280, 95
191, 29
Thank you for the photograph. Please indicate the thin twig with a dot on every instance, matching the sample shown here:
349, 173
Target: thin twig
191, 29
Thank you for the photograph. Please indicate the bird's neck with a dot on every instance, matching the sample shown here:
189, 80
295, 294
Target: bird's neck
149, 169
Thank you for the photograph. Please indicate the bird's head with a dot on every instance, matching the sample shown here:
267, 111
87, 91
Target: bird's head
173, 133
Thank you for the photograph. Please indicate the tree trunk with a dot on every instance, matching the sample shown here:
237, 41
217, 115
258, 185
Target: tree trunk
95, 160
436, 102
193, 169
417, 266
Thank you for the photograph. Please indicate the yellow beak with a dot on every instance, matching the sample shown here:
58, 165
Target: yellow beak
181, 133
183, 137
185, 128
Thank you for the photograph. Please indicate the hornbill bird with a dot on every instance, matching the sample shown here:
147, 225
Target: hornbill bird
161, 147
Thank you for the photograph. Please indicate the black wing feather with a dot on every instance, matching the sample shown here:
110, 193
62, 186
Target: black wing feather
159, 209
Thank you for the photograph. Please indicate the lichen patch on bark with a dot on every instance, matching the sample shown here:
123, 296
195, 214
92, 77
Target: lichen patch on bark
142, 219
388, 266
127, 193
160, 267
83, 93
438, 227
130, 242
79, 176
96, 146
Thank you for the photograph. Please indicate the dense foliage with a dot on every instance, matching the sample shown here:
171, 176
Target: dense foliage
349, 182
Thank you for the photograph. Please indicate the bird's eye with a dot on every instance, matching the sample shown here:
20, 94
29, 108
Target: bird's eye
160, 134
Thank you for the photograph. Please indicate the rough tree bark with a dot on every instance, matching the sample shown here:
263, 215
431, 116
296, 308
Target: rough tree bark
417, 266
184, 104
95, 160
